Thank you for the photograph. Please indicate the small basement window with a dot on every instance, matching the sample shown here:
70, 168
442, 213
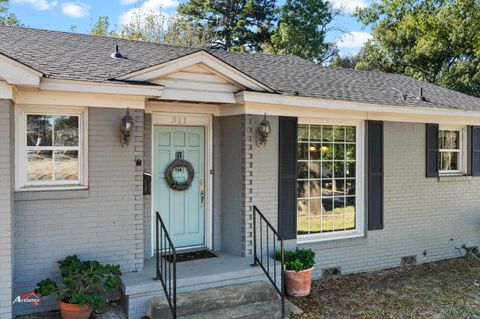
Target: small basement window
51, 148
452, 150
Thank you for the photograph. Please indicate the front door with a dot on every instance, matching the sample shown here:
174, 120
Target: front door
182, 211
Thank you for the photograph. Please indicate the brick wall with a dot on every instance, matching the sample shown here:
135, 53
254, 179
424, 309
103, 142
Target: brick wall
6, 207
421, 214
103, 223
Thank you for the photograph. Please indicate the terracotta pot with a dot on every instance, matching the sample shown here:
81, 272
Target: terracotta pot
297, 284
73, 311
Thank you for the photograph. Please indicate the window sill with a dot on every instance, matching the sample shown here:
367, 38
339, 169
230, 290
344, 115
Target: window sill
454, 178
52, 193
328, 238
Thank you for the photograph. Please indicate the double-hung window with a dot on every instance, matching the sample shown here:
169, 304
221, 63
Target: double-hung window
51, 148
452, 149
329, 177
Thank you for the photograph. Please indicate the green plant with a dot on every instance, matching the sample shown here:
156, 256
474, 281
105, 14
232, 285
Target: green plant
84, 282
298, 259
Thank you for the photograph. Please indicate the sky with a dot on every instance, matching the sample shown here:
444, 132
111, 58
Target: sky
63, 14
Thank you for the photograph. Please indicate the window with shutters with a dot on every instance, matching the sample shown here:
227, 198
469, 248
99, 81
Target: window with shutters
452, 150
330, 180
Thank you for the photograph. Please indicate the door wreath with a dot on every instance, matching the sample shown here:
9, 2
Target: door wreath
175, 185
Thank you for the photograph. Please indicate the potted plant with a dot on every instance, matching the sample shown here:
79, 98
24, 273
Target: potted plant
83, 287
298, 271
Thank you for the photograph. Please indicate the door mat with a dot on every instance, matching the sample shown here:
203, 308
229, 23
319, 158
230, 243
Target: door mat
194, 255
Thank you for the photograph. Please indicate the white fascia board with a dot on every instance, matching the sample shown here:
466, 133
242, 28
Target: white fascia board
203, 57
100, 87
297, 101
17, 73
7, 91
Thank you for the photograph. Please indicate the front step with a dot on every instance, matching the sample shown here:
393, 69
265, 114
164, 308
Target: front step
253, 300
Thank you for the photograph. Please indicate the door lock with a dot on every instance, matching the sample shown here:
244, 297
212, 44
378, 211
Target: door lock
202, 194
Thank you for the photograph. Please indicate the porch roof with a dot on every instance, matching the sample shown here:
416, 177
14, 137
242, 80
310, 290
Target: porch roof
74, 56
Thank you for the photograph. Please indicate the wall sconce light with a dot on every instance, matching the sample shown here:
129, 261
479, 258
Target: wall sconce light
127, 127
263, 131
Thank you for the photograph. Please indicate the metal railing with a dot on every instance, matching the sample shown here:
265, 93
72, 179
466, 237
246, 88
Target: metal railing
166, 258
271, 239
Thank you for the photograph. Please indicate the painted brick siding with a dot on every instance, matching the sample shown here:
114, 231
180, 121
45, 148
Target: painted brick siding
6, 207
104, 223
421, 214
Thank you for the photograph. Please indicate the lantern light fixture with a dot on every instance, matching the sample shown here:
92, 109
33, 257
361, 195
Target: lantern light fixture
263, 131
126, 128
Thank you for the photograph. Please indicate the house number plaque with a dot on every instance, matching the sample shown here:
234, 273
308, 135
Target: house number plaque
178, 120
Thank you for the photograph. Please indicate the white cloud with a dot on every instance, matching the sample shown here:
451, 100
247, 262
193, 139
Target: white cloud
75, 9
40, 5
353, 40
155, 6
348, 6
127, 2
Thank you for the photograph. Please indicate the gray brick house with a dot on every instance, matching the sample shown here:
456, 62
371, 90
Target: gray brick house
365, 168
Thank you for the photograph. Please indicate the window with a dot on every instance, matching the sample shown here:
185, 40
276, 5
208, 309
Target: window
451, 150
51, 148
329, 176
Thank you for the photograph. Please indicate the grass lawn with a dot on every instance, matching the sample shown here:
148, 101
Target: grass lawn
445, 289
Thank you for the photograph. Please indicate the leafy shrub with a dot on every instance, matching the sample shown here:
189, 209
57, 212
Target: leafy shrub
84, 282
297, 260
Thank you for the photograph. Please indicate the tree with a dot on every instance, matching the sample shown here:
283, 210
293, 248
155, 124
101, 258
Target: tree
101, 27
234, 25
145, 25
345, 61
6, 18
433, 40
181, 32
302, 29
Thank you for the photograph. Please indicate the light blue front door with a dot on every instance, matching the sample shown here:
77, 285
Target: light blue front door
182, 211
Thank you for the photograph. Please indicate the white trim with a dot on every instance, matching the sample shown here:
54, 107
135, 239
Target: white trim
100, 87
17, 73
7, 91
20, 148
185, 119
360, 108
360, 212
215, 64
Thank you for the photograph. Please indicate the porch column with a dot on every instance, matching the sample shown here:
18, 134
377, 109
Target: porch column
7, 180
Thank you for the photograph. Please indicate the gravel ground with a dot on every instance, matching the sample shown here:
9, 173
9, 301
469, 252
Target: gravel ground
446, 289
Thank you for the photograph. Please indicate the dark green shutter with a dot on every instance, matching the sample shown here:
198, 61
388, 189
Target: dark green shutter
475, 150
432, 150
287, 177
375, 174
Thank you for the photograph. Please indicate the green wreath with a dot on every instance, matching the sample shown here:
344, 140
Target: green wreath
175, 185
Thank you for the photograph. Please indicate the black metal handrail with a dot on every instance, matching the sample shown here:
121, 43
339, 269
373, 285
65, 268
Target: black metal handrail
166, 258
269, 229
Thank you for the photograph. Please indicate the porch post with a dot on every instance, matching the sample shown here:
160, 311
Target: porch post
7, 180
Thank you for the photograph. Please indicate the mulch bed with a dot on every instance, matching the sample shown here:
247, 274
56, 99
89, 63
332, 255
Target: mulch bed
445, 289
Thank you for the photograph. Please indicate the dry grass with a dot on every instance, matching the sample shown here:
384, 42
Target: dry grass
447, 289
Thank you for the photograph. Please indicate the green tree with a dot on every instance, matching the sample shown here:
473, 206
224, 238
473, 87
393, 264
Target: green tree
433, 40
234, 25
302, 29
100, 27
181, 32
7, 18
344, 61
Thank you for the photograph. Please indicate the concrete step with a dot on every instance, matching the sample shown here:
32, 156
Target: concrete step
257, 310
208, 300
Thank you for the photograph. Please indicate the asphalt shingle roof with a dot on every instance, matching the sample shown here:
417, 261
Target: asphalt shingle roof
74, 56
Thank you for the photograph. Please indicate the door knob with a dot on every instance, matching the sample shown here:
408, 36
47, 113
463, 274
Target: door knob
202, 193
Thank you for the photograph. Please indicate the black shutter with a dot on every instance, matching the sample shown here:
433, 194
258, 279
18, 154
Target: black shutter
475, 150
432, 150
375, 174
287, 177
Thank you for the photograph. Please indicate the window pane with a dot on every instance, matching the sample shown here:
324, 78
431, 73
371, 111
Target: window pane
315, 153
339, 152
39, 130
302, 170
66, 130
339, 133
315, 189
302, 189
338, 187
327, 187
327, 169
350, 169
350, 187
315, 133
327, 133
302, 208
39, 165
350, 213
314, 169
339, 213
66, 166
449, 140
350, 133
448, 161
303, 132
327, 151
302, 151
350, 152
339, 169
